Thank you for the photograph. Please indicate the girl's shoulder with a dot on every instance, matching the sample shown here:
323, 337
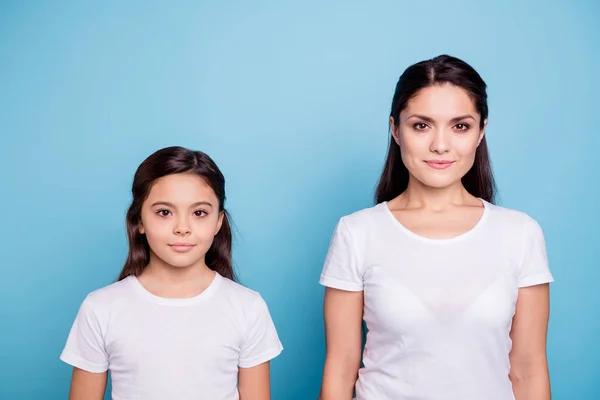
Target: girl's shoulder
238, 292
106, 296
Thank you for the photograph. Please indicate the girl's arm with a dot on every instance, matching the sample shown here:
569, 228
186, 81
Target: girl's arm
529, 367
343, 311
254, 383
87, 385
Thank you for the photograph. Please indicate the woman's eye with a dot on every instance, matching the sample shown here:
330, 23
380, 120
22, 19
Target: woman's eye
420, 126
164, 213
462, 127
200, 213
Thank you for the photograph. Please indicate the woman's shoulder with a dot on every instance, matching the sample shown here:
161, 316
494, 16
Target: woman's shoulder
512, 217
364, 217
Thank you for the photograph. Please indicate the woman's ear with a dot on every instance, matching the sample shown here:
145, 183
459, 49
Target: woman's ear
394, 129
482, 133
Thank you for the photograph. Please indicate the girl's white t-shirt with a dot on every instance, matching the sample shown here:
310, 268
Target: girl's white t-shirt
438, 311
177, 349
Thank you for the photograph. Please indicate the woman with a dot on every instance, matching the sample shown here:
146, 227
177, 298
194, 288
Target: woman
453, 289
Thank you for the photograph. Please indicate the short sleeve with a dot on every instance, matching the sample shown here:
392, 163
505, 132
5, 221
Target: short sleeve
534, 268
85, 345
341, 270
261, 343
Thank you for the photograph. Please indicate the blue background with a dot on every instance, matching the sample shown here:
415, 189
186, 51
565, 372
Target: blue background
291, 99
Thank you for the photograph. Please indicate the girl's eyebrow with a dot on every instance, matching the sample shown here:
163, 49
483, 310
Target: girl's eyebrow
167, 204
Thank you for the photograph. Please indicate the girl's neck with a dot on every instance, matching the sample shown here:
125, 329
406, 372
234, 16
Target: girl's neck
419, 196
168, 281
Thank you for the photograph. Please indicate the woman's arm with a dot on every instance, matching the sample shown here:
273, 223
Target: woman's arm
529, 366
87, 385
255, 383
343, 312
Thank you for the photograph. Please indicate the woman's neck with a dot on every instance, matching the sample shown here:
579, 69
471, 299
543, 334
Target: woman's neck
165, 280
419, 196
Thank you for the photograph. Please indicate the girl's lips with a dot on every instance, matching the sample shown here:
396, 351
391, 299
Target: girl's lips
182, 247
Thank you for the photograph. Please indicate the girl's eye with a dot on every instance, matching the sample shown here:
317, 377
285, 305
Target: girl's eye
164, 213
462, 127
200, 213
420, 126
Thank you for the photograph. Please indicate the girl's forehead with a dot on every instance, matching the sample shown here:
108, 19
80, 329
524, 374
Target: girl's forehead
185, 187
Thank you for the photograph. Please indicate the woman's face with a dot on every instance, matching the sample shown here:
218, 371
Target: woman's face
438, 133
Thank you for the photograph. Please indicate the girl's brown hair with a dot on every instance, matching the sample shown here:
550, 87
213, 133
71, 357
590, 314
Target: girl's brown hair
167, 161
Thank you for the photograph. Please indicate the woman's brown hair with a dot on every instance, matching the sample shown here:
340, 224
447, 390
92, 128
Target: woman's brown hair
479, 180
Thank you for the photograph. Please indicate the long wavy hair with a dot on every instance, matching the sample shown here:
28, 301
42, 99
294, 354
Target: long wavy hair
479, 180
167, 161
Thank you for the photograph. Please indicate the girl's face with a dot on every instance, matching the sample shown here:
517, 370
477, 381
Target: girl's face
180, 219
438, 133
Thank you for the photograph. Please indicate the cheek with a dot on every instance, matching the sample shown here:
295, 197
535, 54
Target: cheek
467, 148
206, 228
156, 229
411, 150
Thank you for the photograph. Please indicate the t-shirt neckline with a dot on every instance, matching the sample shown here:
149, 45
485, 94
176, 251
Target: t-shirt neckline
473, 230
175, 302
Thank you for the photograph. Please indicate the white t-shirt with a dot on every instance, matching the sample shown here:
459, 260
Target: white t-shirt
176, 349
438, 311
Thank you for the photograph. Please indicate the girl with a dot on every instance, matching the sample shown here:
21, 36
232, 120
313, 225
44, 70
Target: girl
175, 325
453, 289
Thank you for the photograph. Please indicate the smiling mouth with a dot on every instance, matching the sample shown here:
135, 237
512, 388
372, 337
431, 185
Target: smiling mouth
182, 247
439, 164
